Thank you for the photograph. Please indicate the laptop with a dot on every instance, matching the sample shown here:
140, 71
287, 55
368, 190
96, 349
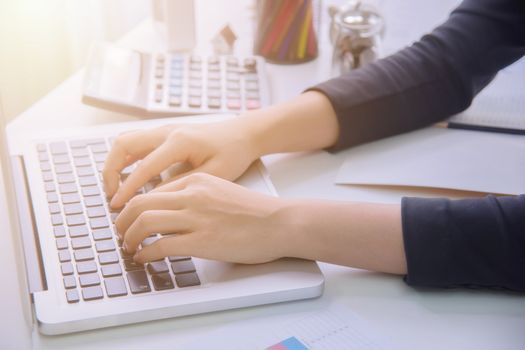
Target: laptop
76, 274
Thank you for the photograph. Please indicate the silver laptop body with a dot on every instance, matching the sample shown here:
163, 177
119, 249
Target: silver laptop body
71, 287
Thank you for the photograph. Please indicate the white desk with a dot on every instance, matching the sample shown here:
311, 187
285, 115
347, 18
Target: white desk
413, 319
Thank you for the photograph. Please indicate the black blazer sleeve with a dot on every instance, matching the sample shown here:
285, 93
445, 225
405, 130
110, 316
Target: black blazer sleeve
471, 242
436, 77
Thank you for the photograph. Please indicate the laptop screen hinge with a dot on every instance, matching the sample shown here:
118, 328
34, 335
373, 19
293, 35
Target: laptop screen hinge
26, 221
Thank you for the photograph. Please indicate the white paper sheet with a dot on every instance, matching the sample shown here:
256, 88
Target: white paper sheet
336, 327
440, 158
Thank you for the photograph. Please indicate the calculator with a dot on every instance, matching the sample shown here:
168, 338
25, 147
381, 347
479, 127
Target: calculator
160, 84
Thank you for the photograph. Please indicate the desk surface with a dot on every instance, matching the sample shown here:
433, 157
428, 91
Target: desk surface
424, 319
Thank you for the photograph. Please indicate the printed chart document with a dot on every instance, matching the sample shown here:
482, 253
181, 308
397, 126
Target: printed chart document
440, 158
336, 327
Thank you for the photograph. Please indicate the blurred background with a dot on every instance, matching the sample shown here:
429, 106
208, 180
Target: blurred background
42, 42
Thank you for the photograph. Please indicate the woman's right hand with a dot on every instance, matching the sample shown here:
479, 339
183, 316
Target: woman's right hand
224, 149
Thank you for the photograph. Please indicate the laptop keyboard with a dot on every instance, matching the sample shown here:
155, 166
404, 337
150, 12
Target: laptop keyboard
92, 261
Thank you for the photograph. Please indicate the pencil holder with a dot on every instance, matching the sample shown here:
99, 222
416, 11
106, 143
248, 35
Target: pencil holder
286, 30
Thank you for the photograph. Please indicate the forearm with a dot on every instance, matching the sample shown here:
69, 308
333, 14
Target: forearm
361, 235
307, 122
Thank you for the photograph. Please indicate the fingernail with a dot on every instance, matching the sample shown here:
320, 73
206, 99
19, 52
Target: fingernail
125, 247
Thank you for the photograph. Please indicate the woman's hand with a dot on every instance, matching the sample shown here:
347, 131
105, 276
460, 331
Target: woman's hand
212, 218
223, 149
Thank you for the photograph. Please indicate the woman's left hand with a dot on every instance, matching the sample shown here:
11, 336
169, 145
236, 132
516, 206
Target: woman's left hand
212, 218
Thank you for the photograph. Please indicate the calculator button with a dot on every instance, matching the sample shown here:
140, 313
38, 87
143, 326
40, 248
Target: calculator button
232, 76
138, 282
253, 104
195, 83
252, 86
162, 281
214, 103
195, 93
250, 64
214, 93
195, 66
231, 85
175, 101
194, 102
213, 60
158, 96
234, 104
195, 75
159, 72
232, 61
252, 95
233, 95
214, 67
195, 59
61, 243
214, 84
214, 75
175, 91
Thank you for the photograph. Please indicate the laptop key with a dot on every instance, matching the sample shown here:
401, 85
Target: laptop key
52, 197
173, 258
45, 166
61, 159
82, 161
49, 187
61, 243
58, 148
108, 258
111, 270
155, 267
115, 286
65, 178
103, 233
64, 255
87, 180
72, 296
99, 148
70, 282
93, 201
73, 208
79, 152
56, 219
59, 231
78, 143
98, 223
183, 266
80, 242
162, 281
54, 208
84, 254
47, 176
41, 147
78, 231
92, 293
63, 168
66, 268
70, 198
138, 282
131, 265
70, 187
105, 246
96, 212
75, 220
90, 191
84, 170
100, 157
187, 280
88, 280
86, 267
